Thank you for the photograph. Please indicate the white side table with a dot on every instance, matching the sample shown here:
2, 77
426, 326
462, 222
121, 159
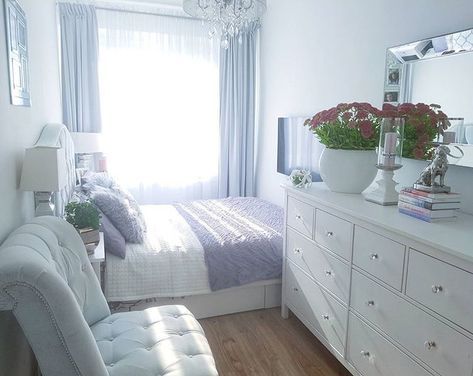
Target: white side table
97, 258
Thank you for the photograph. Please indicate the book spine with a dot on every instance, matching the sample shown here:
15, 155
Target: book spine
413, 195
415, 215
416, 201
417, 192
416, 209
432, 196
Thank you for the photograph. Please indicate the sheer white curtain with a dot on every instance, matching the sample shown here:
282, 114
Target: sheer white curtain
159, 82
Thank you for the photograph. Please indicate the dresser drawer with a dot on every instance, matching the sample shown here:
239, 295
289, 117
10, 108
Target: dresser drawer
334, 233
379, 256
324, 313
373, 355
441, 287
329, 271
300, 216
442, 348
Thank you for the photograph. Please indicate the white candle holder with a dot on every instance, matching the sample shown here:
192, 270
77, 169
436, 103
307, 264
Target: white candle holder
389, 160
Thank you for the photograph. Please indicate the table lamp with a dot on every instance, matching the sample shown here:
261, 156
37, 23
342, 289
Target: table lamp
44, 172
85, 145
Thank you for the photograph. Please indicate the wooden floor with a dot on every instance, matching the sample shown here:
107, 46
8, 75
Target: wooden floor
261, 343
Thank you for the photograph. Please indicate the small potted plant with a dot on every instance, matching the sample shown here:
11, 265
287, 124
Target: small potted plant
423, 123
85, 217
350, 133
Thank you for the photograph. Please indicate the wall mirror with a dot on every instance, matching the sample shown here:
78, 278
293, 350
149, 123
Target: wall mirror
437, 70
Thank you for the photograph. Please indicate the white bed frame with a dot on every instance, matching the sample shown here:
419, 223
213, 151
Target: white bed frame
258, 295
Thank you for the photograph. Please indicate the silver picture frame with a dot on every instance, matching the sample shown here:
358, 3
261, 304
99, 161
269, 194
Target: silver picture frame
17, 45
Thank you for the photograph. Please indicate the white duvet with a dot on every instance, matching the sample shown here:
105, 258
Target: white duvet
170, 263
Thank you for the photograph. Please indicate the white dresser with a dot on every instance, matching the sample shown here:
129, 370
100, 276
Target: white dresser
387, 294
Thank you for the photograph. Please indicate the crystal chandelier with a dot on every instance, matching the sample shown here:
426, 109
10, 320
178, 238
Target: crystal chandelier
225, 17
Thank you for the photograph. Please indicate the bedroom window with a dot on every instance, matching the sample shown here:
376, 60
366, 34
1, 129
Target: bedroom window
159, 83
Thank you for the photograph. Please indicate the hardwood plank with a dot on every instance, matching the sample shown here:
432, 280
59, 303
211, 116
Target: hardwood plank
261, 343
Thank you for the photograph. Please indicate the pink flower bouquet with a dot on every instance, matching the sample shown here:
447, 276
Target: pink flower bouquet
349, 126
423, 124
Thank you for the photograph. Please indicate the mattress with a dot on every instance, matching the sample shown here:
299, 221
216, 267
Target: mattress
172, 261
169, 263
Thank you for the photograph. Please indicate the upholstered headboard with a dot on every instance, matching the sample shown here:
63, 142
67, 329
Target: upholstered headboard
57, 135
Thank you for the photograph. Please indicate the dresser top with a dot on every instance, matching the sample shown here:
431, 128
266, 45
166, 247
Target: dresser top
455, 238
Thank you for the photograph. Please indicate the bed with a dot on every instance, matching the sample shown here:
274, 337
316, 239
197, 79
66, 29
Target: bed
185, 246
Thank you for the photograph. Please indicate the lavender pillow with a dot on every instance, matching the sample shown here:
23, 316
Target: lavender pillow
120, 213
114, 240
96, 180
133, 203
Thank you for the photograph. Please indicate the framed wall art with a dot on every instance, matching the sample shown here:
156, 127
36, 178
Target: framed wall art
17, 45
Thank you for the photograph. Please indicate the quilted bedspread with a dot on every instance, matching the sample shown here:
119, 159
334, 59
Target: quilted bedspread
198, 247
241, 238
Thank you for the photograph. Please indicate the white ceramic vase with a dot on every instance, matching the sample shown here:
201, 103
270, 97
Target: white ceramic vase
348, 171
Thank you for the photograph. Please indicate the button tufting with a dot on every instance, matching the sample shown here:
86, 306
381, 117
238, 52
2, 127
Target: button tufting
111, 364
190, 356
149, 348
176, 316
181, 334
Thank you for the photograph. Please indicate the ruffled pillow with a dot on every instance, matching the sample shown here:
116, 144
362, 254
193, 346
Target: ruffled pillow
118, 209
102, 179
92, 180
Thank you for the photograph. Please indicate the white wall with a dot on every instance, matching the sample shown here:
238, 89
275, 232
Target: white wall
316, 54
20, 126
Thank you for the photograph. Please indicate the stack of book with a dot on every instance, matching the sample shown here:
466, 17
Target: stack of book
429, 207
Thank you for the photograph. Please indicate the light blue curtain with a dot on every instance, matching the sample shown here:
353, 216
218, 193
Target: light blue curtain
79, 59
238, 66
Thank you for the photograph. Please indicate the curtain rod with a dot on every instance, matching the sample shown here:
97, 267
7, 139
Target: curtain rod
145, 13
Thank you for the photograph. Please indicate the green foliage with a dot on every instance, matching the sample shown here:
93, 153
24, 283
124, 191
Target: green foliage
83, 215
348, 126
418, 143
336, 135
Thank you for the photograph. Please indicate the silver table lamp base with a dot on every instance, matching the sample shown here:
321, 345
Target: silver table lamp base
44, 204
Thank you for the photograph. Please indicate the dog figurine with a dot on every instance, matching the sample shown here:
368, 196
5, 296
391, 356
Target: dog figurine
438, 167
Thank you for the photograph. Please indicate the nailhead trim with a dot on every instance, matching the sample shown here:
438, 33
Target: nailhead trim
51, 316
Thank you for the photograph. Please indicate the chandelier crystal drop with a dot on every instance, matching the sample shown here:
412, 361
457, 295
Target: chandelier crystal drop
225, 18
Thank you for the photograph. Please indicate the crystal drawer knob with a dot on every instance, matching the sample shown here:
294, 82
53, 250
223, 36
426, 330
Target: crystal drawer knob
298, 217
295, 289
329, 234
437, 289
430, 345
297, 251
365, 354
374, 256
326, 317
370, 303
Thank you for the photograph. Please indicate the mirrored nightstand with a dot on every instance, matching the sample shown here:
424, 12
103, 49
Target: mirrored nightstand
97, 258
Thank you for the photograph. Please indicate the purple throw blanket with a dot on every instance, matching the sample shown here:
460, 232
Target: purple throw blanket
241, 238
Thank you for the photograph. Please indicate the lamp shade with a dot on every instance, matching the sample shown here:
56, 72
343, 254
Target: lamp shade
87, 143
44, 170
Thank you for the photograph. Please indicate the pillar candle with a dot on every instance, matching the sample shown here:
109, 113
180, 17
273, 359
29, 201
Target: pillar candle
390, 141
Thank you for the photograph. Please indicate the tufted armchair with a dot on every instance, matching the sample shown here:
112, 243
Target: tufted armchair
48, 283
